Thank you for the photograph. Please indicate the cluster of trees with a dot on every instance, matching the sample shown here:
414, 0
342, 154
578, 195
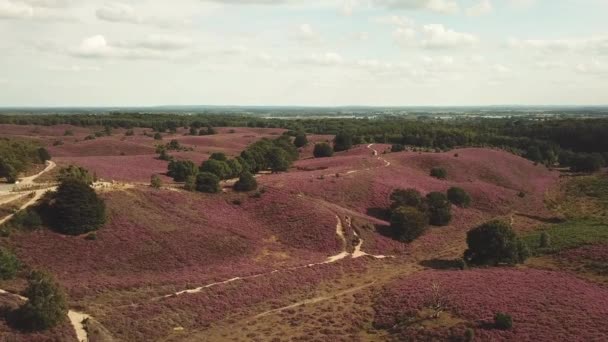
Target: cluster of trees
195, 129
17, 156
542, 141
494, 243
411, 213
275, 155
323, 150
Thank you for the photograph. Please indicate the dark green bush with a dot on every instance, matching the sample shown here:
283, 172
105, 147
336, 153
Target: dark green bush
219, 168
439, 173
503, 321
207, 182
76, 173
246, 182
76, 209
9, 264
494, 243
409, 198
46, 306
439, 208
343, 141
180, 170
397, 148
408, 223
156, 182
300, 140
28, 219
459, 197
323, 150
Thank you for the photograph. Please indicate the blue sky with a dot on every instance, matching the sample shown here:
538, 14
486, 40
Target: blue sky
292, 52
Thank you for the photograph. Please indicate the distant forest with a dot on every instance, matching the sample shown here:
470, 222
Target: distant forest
581, 143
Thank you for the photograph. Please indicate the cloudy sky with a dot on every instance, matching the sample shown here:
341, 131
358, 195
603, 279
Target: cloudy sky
303, 52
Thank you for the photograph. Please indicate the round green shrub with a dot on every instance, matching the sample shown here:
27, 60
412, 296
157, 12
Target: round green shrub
459, 197
207, 182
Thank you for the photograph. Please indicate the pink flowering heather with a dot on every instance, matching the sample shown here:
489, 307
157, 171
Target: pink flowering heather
545, 306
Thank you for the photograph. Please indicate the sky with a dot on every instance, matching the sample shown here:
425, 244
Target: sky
303, 52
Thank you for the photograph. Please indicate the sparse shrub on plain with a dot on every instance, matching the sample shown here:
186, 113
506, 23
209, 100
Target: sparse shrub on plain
545, 240
408, 197
343, 141
397, 148
246, 182
218, 156
503, 321
207, 182
301, 140
9, 264
494, 243
43, 154
158, 136
190, 184
469, 335
129, 133
156, 182
459, 197
323, 150
68, 133
46, 305
440, 209
76, 173
180, 170
439, 173
521, 194
28, 219
75, 208
408, 223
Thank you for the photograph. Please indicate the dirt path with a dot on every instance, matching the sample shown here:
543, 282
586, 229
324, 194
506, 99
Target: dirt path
30, 180
37, 195
314, 300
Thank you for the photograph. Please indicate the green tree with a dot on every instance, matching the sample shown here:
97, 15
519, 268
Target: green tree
494, 243
301, 140
397, 148
76, 173
503, 321
278, 160
46, 305
207, 182
193, 131
459, 197
158, 136
179, 170
408, 223
9, 264
218, 168
43, 154
76, 209
440, 209
343, 141
156, 182
190, 184
409, 198
218, 156
246, 182
174, 145
439, 173
8, 171
236, 169
323, 150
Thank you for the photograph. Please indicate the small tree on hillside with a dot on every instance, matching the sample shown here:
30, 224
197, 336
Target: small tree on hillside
9, 264
323, 150
156, 182
300, 140
439, 173
343, 141
494, 243
180, 170
440, 209
236, 169
397, 148
459, 197
46, 306
207, 182
43, 154
76, 209
218, 156
218, 168
278, 160
190, 184
158, 136
408, 223
246, 182
77, 173
409, 198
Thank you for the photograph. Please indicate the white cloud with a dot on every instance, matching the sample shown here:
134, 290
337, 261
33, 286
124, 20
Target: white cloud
152, 46
395, 20
595, 67
440, 6
404, 36
597, 44
501, 69
306, 33
436, 36
11, 10
324, 59
118, 12
480, 8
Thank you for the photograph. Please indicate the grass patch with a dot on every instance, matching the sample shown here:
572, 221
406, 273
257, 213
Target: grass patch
568, 235
584, 197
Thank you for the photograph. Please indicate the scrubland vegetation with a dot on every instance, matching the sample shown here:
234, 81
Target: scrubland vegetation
233, 227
